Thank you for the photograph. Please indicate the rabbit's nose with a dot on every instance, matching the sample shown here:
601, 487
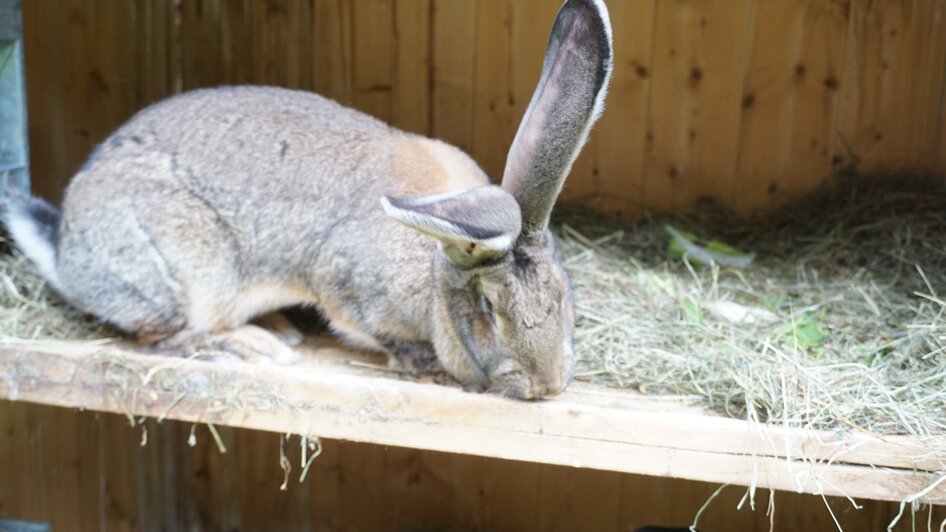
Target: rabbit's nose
552, 387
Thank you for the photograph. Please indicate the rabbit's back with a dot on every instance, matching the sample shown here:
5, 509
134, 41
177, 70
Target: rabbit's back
265, 138
209, 196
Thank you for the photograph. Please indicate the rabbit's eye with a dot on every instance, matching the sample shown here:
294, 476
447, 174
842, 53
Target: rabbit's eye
486, 306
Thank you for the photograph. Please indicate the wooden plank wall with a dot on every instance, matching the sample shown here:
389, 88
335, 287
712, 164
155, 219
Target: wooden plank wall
746, 101
88, 471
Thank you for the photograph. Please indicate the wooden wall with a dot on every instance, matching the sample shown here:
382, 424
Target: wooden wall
88, 471
747, 101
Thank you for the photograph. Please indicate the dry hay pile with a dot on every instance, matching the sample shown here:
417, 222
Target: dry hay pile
29, 310
837, 321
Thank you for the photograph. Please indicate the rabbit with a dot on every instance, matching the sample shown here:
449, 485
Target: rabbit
216, 206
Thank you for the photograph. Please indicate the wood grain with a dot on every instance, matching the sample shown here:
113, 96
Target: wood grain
747, 102
790, 100
412, 66
374, 56
496, 112
584, 428
892, 86
346, 491
453, 52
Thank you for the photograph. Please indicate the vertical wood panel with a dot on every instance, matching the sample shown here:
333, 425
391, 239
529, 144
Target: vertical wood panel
412, 78
89, 67
85, 469
16, 462
582, 499
118, 446
892, 86
73, 470
790, 99
259, 478
495, 109
373, 57
708, 97
453, 53
693, 126
45, 84
282, 31
216, 43
332, 49
495, 495
425, 488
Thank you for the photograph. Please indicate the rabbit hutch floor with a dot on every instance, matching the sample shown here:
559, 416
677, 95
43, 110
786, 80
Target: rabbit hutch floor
803, 353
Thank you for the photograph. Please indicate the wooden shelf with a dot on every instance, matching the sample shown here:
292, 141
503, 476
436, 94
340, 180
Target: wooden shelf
332, 393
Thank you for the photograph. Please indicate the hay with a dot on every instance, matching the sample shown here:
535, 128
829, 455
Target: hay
839, 321
30, 311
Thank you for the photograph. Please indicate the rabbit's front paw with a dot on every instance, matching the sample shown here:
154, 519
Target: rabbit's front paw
248, 343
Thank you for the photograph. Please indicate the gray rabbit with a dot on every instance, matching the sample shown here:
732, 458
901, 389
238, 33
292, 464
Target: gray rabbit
213, 207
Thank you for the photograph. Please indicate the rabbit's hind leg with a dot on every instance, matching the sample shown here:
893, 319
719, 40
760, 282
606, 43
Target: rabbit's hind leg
278, 324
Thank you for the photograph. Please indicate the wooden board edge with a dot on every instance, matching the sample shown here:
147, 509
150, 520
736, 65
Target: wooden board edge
378, 410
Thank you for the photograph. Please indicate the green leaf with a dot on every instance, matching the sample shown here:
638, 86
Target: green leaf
674, 249
683, 243
692, 311
806, 330
724, 249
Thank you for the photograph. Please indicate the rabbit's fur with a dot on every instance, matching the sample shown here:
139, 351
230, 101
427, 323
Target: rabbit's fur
215, 206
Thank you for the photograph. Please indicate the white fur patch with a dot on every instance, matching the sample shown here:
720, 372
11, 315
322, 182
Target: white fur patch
30, 241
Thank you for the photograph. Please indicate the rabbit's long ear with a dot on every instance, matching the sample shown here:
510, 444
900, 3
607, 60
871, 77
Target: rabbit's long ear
567, 101
473, 225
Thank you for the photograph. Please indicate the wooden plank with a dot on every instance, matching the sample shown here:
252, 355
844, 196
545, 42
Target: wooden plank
790, 101
89, 66
332, 50
508, 501
155, 62
674, 132
496, 111
493, 492
281, 37
583, 428
217, 43
43, 51
427, 496
412, 68
892, 86
13, 453
216, 477
666, 423
451, 99
699, 62
583, 499
119, 469
74, 484
373, 57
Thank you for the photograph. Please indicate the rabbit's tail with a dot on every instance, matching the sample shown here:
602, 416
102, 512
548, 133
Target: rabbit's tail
34, 226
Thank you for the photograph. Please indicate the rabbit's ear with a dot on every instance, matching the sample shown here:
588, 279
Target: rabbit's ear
567, 101
472, 225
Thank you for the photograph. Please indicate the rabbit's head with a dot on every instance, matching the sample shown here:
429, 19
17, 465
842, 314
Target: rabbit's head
503, 312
